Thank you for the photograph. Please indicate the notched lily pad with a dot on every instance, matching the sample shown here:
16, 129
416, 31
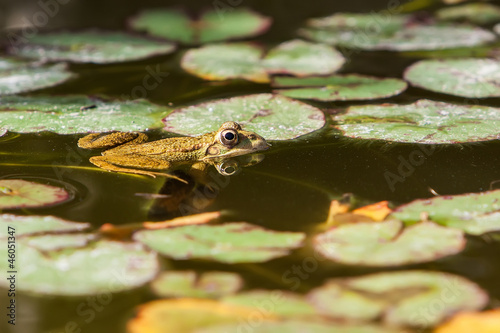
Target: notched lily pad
91, 47
274, 117
18, 193
475, 78
399, 33
228, 243
474, 213
189, 284
98, 268
339, 87
211, 26
29, 225
17, 77
399, 298
479, 13
388, 244
424, 121
248, 61
77, 114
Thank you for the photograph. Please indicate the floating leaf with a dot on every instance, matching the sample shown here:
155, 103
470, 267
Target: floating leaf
399, 298
479, 13
212, 26
478, 322
339, 87
377, 211
474, 213
91, 47
20, 79
229, 243
424, 121
77, 114
300, 58
101, 267
56, 242
247, 61
273, 116
226, 61
460, 77
28, 225
400, 33
18, 193
188, 284
387, 243
186, 315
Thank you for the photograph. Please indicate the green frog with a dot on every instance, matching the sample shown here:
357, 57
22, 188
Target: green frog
131, 154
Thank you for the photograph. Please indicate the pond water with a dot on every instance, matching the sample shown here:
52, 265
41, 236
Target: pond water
289, 190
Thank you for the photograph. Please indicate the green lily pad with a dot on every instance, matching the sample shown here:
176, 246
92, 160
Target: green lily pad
479, 13
18, 193
474, 213
99, 268
24, 79
57, 242
388, 244
300, 58
212, 26
29, 225
188, 284
77, 114
460, 77
408, 297
424, 121
400, 33
247, 61
92, 47
339, 87
228, 243
274, 117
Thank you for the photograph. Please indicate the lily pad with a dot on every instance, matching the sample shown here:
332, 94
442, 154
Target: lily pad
424, 121
479, 13
77, 114
465, 322
29, 225
101, 267
474, 213
339, 87
300, 58
92, 47
20, 79
274, 117
399, 33
212, 26
248, 61
405, 298
188, 284
56, 242
477, 78
228, 243
388, 244
18, 193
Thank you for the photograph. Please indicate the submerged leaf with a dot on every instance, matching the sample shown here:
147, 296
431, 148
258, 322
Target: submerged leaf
188, 284
424, 121
273, 116
91, 47
77, 114
28, 225
18, 193
212, 26
229, 243
474, 213
460, 77
388, 244
339, 87
98, 268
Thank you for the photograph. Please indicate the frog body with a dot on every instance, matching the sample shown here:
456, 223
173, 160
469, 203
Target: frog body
131, 154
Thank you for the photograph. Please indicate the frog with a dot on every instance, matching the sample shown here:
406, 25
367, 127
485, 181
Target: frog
129, 152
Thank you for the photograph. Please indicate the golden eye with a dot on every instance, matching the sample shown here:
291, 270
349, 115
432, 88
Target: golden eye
228, 137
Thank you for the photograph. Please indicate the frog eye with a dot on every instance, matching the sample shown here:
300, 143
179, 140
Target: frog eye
228, 137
